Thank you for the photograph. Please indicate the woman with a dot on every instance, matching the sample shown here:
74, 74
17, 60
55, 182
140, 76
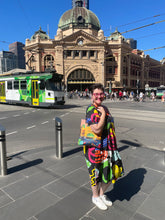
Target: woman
101, 159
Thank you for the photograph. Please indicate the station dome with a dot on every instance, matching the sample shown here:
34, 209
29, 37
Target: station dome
41, 33
79, 17
116, 35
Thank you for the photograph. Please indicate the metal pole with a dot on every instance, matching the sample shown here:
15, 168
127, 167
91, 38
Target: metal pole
59, 143
103, 72
3, 151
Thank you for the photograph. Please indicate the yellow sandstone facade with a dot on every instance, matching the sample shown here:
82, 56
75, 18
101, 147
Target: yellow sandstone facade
84, 56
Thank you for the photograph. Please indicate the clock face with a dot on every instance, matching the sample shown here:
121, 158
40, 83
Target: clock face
80, 42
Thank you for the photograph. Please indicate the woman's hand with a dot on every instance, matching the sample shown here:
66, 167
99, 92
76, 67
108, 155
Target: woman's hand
101, 110
98, 128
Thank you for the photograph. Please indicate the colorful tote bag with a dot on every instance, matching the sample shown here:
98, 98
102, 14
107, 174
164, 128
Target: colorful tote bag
87, 136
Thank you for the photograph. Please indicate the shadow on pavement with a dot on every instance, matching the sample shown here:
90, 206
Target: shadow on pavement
130, 143
123, 148
73, 151
66, 106
24, 166
17, 154
128, 186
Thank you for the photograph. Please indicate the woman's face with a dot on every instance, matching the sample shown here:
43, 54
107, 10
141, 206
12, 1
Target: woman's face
98, 96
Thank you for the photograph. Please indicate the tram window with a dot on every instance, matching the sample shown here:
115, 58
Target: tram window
23, 84
55, 86
9, 84
36, 86
58, 86
42, 84
16, 84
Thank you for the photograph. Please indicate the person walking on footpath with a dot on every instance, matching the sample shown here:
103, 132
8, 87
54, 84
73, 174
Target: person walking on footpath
103, 162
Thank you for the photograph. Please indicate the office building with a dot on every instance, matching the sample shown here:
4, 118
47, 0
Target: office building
133, 43
17, 49
8, 61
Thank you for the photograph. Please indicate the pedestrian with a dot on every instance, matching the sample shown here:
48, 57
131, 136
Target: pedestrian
141, 96
124, 95
163, 97
131, 95
153, 96
101, 160
120, 95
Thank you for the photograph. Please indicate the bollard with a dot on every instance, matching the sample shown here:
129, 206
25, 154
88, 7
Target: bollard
3, 151
59, 143
162, 142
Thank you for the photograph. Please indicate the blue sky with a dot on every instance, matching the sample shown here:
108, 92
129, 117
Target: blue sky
21, 18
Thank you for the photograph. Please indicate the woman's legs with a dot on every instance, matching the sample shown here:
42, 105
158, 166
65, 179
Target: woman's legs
95, 190
96, 198
103, 188
100, 189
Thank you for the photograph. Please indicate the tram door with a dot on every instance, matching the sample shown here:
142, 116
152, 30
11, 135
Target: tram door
35, 92
2, 92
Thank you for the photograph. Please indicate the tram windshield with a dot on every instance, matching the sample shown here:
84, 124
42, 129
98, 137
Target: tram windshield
161, 90
55, 86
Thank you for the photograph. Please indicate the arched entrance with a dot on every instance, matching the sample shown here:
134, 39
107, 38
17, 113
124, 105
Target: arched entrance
80, 80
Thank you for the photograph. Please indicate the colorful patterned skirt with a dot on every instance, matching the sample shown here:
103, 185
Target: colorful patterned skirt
99, 164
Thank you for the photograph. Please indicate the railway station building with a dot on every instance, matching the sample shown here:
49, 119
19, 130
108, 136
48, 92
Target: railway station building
81, 52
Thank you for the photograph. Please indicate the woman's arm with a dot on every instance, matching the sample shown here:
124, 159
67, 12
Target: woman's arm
98, 128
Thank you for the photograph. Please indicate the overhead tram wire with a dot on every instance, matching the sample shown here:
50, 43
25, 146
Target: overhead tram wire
25, 14
147, 25
150, 35
5, 42
144, 19
155, 48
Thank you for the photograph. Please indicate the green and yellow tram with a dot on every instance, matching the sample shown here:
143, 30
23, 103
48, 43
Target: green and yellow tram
160, 91
33, 89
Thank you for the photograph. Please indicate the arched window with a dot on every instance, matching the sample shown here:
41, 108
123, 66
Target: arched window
49, 62
81, 75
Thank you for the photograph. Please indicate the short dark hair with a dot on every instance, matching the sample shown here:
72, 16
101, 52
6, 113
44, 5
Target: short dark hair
97, 86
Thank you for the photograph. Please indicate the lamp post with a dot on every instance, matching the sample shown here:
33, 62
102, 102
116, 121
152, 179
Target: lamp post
137, 84
110, 86
102, 72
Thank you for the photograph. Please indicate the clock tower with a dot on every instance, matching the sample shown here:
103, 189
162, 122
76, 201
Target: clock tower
83, 3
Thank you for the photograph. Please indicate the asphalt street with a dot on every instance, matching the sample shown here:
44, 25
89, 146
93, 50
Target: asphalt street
28, 128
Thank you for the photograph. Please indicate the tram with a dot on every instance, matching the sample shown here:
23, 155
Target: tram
32, 89
160, 91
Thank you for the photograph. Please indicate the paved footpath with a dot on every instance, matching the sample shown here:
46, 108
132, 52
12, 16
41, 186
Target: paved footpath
41, 187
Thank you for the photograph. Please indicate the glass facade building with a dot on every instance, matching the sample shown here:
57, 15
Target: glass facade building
17, 49
8, 61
